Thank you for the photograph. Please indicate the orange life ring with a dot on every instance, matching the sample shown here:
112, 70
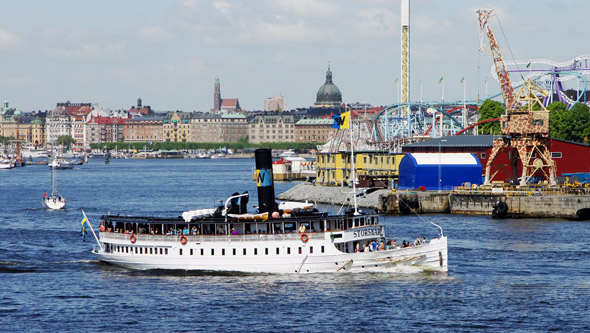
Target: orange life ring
183, 239
304, 238
132, 239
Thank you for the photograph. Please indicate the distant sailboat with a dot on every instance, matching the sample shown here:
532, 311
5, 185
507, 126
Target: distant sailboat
55, 200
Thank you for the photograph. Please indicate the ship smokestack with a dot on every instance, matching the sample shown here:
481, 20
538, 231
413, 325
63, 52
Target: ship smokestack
264, 182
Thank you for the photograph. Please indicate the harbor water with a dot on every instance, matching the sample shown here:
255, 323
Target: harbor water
522, 274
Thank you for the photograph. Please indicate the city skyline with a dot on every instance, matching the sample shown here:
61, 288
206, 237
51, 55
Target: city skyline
169, 53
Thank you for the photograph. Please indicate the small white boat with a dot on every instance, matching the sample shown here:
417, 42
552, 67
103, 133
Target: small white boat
6, 164
55, 200
60, 164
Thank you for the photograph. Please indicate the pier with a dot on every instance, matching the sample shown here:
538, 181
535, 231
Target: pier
566, 203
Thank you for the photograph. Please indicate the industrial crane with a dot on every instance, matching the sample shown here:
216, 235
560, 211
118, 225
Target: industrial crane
524, 130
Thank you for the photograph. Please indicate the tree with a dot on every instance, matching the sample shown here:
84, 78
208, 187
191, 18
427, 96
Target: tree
65, 140
572, 124
489, 110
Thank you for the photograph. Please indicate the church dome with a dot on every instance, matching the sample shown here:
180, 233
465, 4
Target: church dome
328, 95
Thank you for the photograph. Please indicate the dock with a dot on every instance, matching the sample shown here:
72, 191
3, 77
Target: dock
565, 203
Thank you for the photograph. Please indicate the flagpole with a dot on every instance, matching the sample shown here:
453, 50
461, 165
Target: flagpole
91, 228
464, 106
353, 174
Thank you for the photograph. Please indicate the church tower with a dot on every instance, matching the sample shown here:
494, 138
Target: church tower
217, 96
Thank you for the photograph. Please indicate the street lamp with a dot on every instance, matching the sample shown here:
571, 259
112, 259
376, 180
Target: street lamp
439, 164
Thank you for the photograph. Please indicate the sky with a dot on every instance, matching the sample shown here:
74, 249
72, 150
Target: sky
168, 53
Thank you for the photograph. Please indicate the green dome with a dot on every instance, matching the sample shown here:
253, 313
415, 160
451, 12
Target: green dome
328, 95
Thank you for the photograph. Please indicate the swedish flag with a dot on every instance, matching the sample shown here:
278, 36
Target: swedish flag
83, 232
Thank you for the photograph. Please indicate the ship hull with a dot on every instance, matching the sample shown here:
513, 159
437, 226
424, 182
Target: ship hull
285, 257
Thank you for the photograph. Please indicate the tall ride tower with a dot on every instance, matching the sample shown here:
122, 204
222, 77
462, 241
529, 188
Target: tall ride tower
405, 48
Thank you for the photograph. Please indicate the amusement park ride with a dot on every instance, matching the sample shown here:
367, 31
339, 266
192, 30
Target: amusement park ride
525, 131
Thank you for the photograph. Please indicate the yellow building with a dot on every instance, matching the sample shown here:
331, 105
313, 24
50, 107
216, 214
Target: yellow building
177, 127
26, 128
334, 168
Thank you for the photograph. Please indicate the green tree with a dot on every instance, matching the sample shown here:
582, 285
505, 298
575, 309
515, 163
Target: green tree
65, 140
572, 124
489, 110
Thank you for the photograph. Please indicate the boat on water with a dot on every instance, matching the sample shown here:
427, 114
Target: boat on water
295, 239
54, 201
6, 164
60, 164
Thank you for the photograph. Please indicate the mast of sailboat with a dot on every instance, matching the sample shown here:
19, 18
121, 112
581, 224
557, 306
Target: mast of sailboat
53, 190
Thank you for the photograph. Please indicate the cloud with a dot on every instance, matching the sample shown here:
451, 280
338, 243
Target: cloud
191, 68
91, 51
155, 34
8, 39
306, 8
281, 34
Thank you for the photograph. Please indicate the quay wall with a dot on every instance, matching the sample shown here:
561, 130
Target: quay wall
400, 202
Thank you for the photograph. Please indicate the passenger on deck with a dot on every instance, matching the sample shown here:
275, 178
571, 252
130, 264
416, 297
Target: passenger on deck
358, 248
367, 248
185, 231
381, 246
101, 227
234, 231
301, 229
373, 246
221, 231
194, 230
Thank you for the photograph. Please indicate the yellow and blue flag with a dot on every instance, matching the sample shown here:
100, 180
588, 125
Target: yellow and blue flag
83, 232
341, 121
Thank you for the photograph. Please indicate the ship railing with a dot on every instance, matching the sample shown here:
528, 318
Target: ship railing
110, 236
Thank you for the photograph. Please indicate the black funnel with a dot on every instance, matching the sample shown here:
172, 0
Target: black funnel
264, 182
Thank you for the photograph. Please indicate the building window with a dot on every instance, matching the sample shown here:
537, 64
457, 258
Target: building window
555, 154
483, 156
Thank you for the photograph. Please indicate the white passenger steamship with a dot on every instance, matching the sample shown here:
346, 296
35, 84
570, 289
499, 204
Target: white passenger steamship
291, 240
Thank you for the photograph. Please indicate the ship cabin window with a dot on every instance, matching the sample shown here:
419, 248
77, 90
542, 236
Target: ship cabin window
212, 252
349, 223
322, 249
161, 252
234, 252
202, 252
266, 251
135, 250
277, 250
126, 249
555, 154
191, 252
166, 251
311, 250
151, 250
180, 251
255, 252
300, 250
277, 228
288, 250
290, 227
222, 252
244, 251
